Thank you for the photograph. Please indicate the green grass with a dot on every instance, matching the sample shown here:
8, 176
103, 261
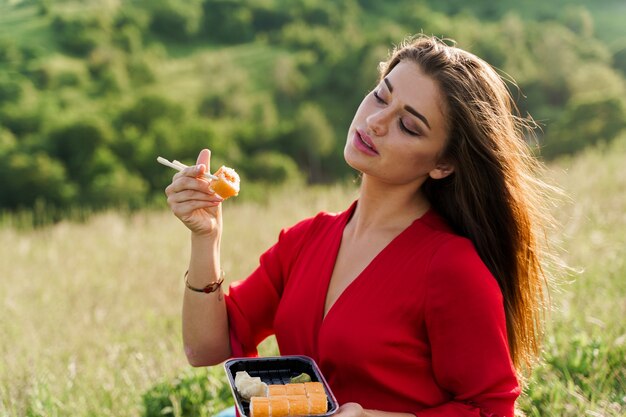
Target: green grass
188, 77
91, 311
25, 26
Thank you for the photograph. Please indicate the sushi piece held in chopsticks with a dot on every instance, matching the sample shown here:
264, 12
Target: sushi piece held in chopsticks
225, 182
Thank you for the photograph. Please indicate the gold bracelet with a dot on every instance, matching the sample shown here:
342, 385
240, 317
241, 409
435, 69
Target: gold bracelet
212, 287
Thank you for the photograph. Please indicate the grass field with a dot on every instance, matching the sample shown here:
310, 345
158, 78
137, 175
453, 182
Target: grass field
91, 311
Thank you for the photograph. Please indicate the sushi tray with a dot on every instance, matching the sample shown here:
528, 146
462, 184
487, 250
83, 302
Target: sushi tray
279, 386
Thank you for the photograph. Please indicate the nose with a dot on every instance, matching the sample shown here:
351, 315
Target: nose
377, 122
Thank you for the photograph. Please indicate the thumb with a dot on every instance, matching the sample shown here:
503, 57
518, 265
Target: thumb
204, 157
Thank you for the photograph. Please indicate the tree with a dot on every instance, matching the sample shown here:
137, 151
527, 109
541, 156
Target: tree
28, 178
586, 122
619, 59
147, 109
312, 139
76, 142
174, 19
272, 167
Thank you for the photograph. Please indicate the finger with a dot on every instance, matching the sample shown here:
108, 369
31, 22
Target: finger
187, 209
204, 158
192, 195
195, 171
189, 183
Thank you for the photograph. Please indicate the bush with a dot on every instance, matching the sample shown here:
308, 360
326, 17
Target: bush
21, 120
7, 141
178, 20
113, 185
76, 142
78, 35
195, 393
140, 71
148, 109
272, 167
619, 59
228, 21
10, 53
584, 123
11, 90
26, 179
312, 139
198, 134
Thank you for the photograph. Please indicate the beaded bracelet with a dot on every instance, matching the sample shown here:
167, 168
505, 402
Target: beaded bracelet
212, 287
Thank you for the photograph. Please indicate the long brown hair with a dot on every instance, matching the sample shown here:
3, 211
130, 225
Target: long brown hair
494, 196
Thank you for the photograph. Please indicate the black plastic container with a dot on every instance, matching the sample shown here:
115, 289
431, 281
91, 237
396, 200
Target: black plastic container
276, 370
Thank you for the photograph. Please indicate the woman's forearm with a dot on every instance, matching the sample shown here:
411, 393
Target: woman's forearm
205, 323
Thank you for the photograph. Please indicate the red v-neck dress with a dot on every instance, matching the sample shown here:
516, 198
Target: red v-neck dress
421, 330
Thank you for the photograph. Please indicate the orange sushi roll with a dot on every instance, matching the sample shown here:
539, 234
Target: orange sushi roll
259, 407
295, 389
298, 405
314, 388
274, 390
317, 403
279, 406
227, 183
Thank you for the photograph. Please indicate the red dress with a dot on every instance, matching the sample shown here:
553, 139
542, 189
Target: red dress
421, 330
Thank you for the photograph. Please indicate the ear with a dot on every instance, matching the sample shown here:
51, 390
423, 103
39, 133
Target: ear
442, 170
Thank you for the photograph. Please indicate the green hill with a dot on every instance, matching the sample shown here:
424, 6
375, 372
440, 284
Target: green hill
92, 91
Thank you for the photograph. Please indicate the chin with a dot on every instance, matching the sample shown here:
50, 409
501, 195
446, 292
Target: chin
348, 156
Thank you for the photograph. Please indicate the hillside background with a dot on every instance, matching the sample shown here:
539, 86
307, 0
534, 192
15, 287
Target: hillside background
92, 91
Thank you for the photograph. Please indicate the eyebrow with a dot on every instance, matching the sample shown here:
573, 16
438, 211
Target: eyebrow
407, 107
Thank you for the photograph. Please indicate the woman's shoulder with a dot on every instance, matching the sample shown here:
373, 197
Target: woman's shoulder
454, 256
320, 220
442, 235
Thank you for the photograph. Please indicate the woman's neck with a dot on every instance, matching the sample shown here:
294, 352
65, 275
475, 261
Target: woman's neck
384, 207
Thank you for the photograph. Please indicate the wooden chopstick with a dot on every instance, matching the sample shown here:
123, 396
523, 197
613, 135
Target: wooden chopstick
179, 166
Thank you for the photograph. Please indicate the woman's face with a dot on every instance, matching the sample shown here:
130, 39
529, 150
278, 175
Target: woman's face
399, 131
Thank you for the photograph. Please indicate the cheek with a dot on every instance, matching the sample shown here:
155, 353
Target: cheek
411, 162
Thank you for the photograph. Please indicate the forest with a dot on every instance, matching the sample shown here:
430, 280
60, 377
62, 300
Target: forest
91, 92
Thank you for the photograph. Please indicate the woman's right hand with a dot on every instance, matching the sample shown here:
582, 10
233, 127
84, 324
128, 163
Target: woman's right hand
191, 199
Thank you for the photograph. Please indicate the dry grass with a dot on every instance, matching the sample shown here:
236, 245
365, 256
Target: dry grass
91, 312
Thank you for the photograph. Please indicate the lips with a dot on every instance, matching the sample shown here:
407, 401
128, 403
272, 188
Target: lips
366, 143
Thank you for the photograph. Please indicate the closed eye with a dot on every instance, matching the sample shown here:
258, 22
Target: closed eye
378, 99
407, 130
400, 122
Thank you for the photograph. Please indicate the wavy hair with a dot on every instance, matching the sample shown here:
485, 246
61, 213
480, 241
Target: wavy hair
494, 197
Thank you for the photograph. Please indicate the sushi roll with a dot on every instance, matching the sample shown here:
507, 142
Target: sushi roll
259, 407
295, 389
274, 390
314, 388
279, 406
227, 183
318, 403
298, 405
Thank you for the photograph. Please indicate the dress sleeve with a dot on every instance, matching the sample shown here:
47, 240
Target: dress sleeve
252, 303
466, 326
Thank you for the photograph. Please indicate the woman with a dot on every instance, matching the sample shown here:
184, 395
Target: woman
425, 296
